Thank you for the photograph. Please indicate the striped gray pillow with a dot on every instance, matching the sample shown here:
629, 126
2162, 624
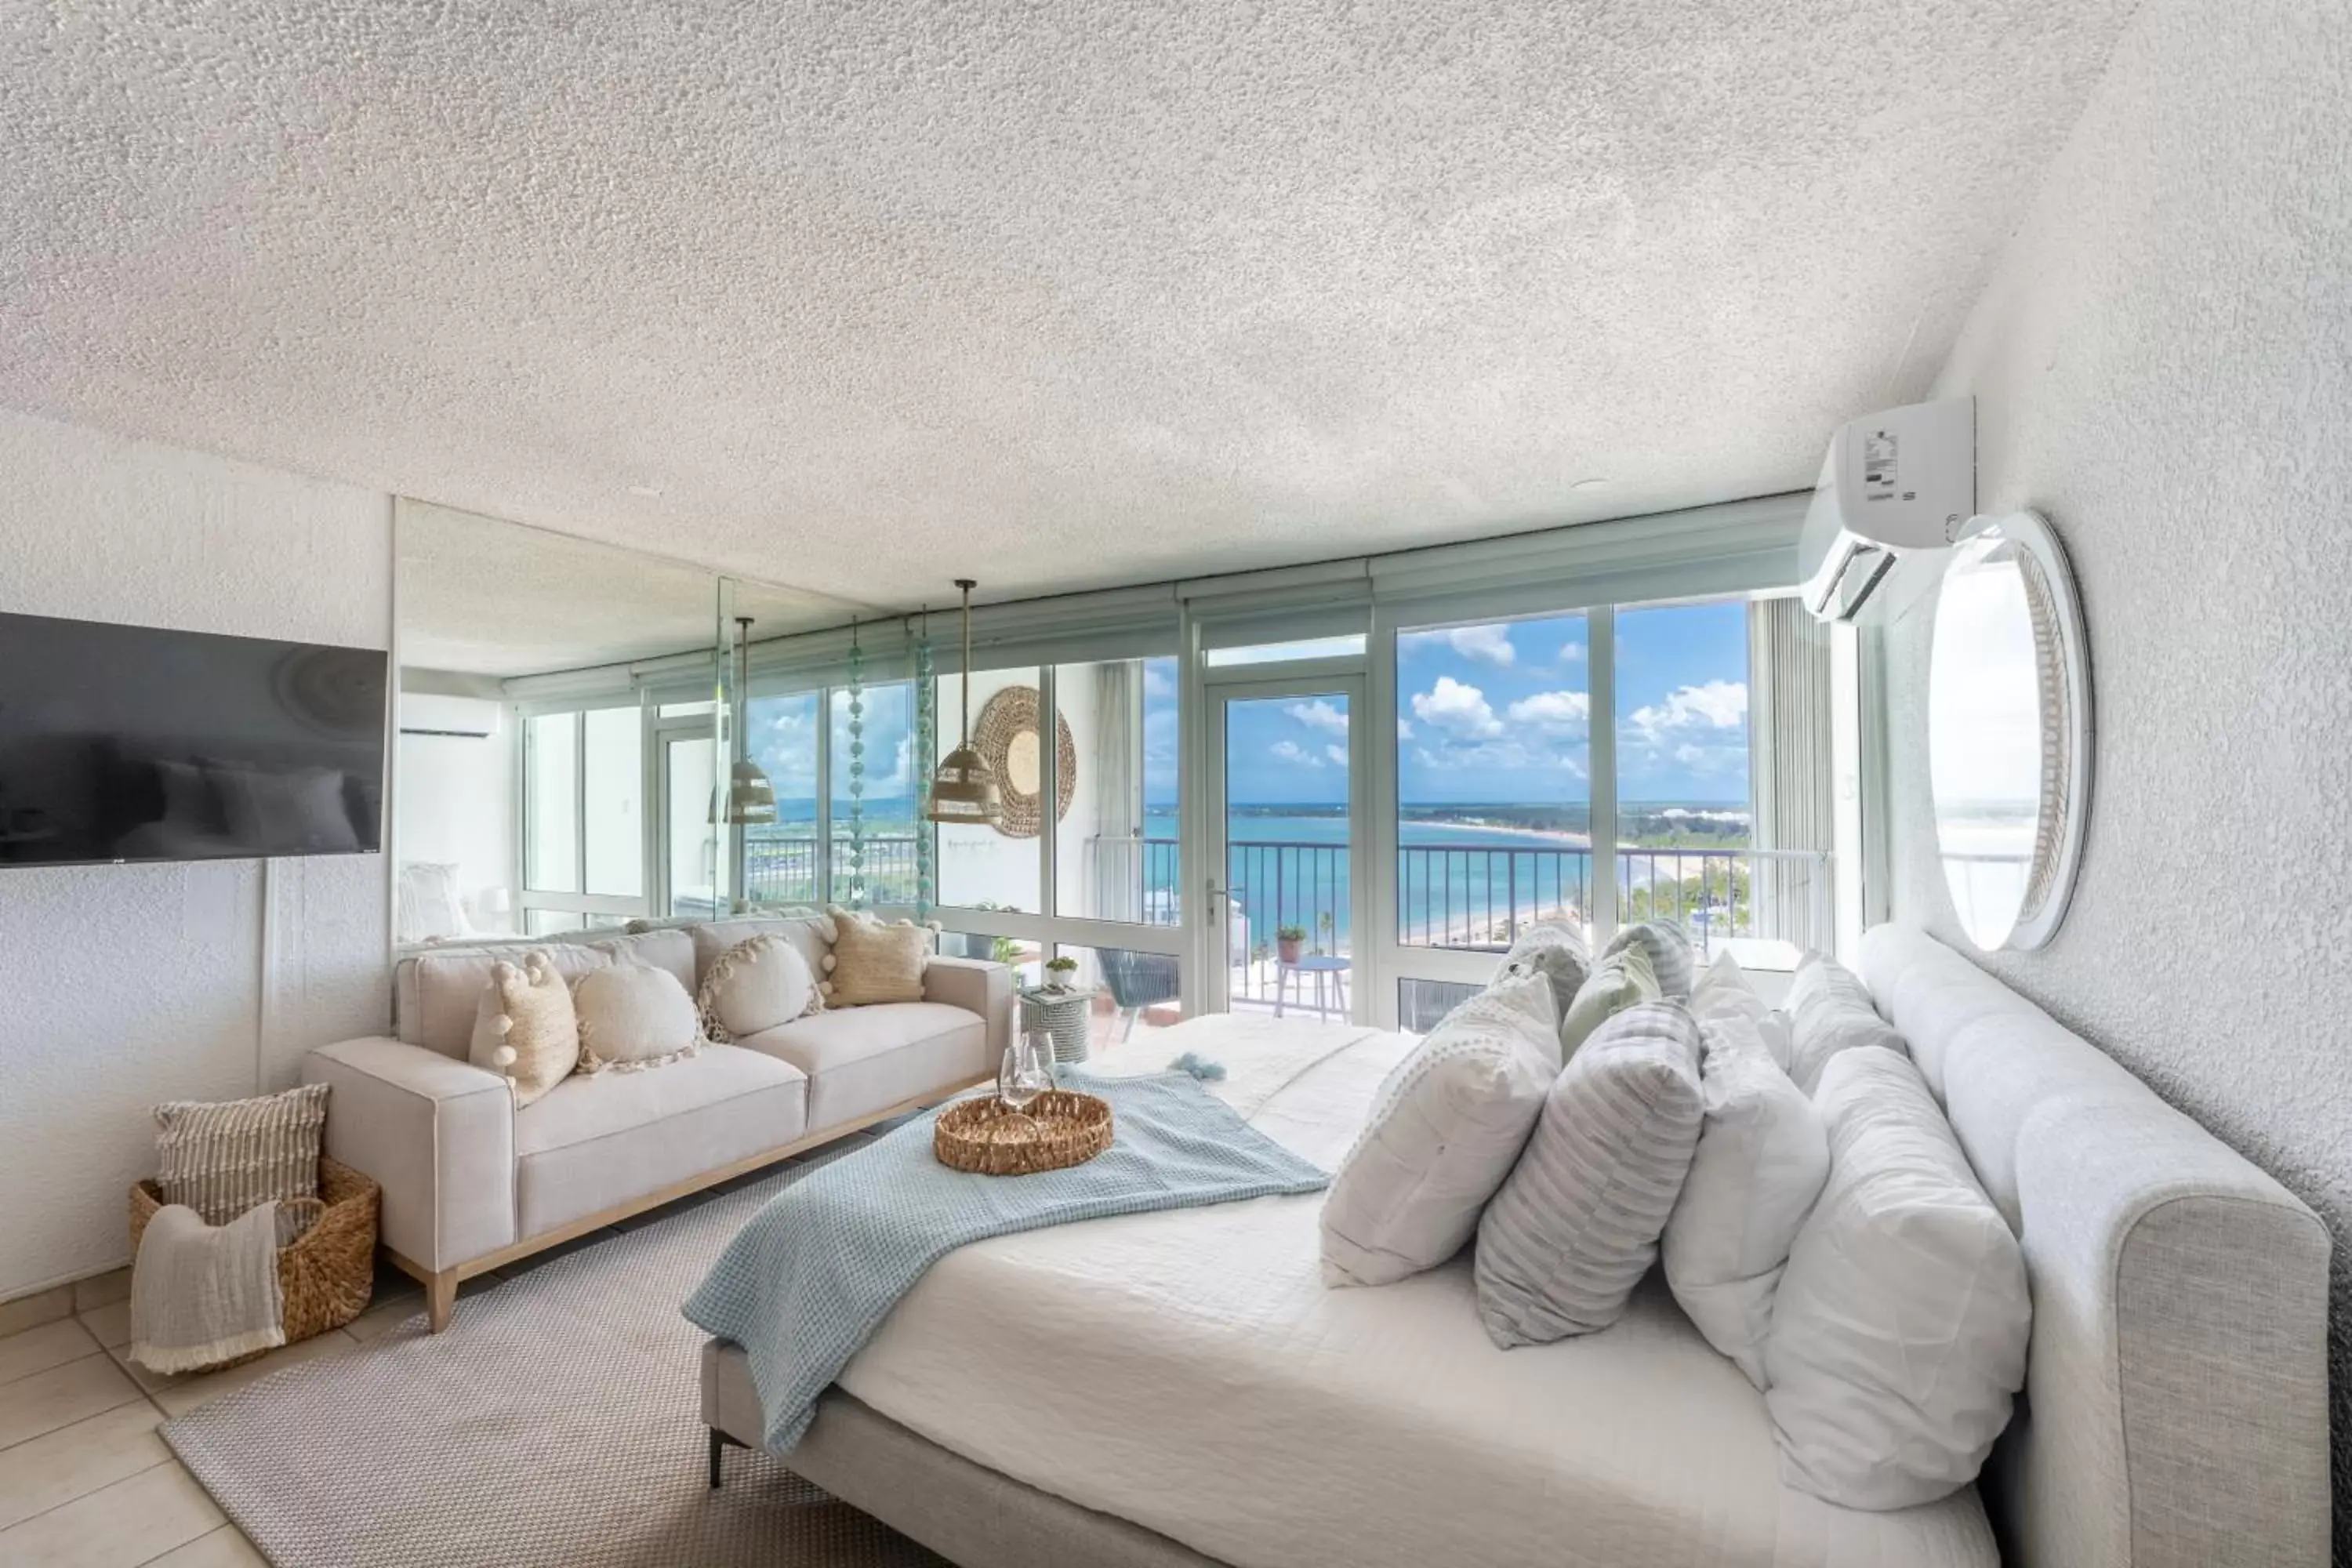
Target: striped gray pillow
223, 1159
1577, 1224
1668, 951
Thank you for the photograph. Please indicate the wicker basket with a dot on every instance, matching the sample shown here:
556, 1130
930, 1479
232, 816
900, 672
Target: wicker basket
328, 1273
1060, 1129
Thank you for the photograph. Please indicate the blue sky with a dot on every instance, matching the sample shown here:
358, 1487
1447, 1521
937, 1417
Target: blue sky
1499, 714
1489, 714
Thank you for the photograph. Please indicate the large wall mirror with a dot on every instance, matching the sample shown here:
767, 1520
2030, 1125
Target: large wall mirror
563, 735
2009, 731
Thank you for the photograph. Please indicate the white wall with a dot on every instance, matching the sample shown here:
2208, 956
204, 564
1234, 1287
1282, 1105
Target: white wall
130, 984
2163, 365
456, 801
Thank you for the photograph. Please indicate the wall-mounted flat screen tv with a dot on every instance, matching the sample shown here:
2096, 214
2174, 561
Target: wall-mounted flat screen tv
134, 744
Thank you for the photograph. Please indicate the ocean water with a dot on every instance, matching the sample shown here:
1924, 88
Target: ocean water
1459, 883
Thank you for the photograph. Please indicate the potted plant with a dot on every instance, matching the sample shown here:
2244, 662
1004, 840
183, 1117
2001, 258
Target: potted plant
1287, 941
1060, 973
1323, 928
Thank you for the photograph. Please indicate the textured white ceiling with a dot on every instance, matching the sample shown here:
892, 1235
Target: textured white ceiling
484, 598
1053, 295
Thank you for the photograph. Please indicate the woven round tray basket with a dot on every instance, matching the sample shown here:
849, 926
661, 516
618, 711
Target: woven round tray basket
1060, 1129
328, 1274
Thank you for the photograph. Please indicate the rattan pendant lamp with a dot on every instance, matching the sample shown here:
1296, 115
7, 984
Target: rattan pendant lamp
750, 798
963, 789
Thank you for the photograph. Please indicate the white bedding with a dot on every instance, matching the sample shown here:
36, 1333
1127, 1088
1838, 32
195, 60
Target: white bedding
1190, 1372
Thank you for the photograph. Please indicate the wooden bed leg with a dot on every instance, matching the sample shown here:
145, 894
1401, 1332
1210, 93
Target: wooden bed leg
440, 1299
717, 1448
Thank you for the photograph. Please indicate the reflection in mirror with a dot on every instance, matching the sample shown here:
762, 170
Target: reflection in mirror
559, 740
2009, 730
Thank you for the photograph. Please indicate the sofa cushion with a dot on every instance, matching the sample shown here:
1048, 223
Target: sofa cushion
434, 994
860, 1060
592, 1143
439, 992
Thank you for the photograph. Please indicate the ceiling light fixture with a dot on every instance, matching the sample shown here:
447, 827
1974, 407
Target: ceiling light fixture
750, 798
963, 790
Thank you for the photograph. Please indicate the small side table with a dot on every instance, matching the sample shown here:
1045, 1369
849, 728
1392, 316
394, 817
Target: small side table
1332, 971
1064, 1014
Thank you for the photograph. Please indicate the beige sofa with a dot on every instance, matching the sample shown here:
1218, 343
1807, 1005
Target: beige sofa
470, 1182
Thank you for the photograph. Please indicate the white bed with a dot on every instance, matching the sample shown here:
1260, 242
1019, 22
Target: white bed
1189, 1373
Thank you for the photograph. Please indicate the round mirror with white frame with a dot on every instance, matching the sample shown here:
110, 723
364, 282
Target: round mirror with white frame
2009, 730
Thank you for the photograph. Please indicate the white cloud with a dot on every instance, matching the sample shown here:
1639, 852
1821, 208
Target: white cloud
1338, 756
1487, 645
1553, 711
1571, 652
1717, 705
1319, 715
1158, 682
1499, 755
1404, 728
1450, 705
1291, 752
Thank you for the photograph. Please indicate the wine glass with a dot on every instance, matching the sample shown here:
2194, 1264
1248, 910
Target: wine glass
1024, 1076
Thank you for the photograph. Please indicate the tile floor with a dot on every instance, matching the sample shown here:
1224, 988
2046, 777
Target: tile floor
85, 1481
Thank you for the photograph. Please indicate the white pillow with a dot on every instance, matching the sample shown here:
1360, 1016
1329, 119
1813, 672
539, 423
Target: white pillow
1899, 1337
634, 1017
756, 984
1763, 1154
1446, 1128
1830, 1011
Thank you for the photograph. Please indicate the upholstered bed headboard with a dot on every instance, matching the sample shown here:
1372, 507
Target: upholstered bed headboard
2176, 1396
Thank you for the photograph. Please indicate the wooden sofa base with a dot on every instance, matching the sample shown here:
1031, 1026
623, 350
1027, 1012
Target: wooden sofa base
441, 1284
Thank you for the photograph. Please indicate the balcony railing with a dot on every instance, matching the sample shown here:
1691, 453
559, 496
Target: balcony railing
1476, 897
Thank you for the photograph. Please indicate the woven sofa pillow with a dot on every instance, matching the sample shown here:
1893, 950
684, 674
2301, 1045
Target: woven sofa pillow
1899, 1333
1445, 1129
1762, 1156
1668, 951
1830, 1012
1620, 980
525, 1029
872, 963
756, 984
223, 1159
1575, 1226
1556, 950
634, 1017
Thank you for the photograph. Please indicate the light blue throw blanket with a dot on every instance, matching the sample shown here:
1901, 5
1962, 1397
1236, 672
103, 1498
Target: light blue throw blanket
806, 1283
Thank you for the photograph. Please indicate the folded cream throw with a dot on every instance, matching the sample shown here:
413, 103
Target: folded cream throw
202, 1294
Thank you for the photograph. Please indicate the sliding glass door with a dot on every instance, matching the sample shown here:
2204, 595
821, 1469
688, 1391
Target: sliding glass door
1286, 888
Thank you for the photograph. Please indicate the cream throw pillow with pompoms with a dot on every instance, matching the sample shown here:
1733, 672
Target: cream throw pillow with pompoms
525, 1029
756, 984
633, 1018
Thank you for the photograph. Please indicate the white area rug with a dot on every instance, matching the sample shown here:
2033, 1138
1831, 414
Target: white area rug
556, 1425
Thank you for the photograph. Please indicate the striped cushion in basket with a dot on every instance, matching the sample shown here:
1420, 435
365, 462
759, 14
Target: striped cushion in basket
1577, 1224
222, 1160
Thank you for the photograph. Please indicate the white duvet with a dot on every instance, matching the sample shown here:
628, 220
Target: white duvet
1188, 1371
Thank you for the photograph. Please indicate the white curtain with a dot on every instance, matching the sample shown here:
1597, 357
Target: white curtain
1117, 842
1788, 756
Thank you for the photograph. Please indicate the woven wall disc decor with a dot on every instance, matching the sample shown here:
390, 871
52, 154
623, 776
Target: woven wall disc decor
1006, 739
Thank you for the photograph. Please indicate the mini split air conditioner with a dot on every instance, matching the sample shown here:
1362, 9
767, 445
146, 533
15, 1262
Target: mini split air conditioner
1896, 493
